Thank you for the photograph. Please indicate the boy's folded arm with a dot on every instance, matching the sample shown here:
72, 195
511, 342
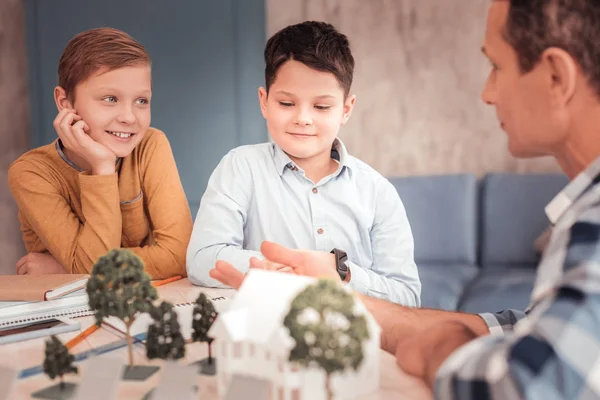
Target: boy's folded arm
168, 211
200, 264
393, 275
75, 245
218, 232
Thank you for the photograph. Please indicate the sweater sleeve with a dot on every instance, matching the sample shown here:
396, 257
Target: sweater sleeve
76, 245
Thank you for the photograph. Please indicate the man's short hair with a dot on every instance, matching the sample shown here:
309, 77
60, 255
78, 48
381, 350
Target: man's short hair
572, 25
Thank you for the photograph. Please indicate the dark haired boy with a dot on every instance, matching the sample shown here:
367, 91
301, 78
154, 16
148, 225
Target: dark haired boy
304, 190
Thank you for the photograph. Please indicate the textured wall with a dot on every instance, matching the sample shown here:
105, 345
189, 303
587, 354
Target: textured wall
418, 77
14, 123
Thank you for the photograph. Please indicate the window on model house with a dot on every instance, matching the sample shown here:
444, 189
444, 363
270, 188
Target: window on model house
237, 350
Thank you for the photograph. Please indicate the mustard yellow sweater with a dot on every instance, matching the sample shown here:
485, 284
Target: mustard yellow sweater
78, 217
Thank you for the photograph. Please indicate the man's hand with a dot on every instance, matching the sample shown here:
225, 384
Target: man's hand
422, 355
71, 130
39, 264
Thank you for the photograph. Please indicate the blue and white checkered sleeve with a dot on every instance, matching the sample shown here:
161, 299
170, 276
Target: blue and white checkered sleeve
502, 322
554, 352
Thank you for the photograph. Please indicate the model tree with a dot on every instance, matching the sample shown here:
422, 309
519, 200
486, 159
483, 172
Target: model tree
164, 338
58, 360
328, 331
203, 316
119, 287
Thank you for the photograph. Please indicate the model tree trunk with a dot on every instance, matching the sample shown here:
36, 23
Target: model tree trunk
62, 383
129, 344
328, 387
210, 360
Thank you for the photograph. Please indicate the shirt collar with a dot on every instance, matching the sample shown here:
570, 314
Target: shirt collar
64, 156
567, 197
338, 153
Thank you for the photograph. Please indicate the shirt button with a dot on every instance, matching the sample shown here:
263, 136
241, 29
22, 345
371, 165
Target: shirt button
320, 231
315, 190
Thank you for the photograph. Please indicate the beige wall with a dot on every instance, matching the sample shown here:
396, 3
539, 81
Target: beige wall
14, 123
418, 77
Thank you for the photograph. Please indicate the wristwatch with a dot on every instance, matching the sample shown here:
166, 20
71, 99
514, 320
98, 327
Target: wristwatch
341, 262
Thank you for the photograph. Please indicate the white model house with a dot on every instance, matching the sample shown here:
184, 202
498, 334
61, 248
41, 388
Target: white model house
252, 345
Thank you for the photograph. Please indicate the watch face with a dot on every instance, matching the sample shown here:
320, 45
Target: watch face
343, 266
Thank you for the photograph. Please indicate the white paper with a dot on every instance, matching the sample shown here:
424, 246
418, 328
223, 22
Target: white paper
176, 382
8, 377
100, 379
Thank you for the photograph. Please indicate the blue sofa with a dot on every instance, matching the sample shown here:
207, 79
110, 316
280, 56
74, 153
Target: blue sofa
474, 239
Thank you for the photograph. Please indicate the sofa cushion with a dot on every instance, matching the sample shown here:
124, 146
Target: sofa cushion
442, 285
513, 216
499, 288
442, 211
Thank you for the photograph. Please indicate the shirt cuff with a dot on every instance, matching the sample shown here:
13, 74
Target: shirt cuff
358, 278
240, 259
493, 324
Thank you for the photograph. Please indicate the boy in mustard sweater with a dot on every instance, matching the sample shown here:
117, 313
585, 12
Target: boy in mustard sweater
109, 180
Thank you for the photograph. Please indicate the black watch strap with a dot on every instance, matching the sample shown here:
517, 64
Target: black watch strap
341, 262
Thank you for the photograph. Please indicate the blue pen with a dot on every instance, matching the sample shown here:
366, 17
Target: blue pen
26, 373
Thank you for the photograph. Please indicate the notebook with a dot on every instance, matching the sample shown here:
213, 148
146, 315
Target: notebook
40, 287
184, 317
27, 313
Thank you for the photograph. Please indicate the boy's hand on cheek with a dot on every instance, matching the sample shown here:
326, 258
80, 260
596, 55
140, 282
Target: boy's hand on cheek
72, 131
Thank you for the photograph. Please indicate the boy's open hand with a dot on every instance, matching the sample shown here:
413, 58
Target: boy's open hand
71, 130
317, 264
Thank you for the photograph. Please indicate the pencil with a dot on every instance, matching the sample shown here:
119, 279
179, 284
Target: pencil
168, 280
77, 339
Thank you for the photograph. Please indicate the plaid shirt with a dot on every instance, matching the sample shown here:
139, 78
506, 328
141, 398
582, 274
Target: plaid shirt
552, 350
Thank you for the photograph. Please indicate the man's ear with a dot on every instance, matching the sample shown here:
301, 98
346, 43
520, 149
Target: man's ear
348, 107
563, 75
61, 99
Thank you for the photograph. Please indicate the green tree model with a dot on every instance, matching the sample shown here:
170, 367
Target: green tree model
327, 330
202, 319
119, 287
164, 338
58, 361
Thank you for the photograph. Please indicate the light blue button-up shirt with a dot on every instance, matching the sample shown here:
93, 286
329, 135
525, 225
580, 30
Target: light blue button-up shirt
257, 193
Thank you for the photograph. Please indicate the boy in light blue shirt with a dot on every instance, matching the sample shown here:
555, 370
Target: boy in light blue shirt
304, 190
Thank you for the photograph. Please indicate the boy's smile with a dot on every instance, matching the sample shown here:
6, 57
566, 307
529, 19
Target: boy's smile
122, 136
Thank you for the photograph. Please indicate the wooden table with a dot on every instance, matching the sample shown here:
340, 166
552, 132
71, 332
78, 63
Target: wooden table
394, 383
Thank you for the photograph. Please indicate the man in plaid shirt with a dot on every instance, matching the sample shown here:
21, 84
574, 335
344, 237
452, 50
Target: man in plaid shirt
545, 86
